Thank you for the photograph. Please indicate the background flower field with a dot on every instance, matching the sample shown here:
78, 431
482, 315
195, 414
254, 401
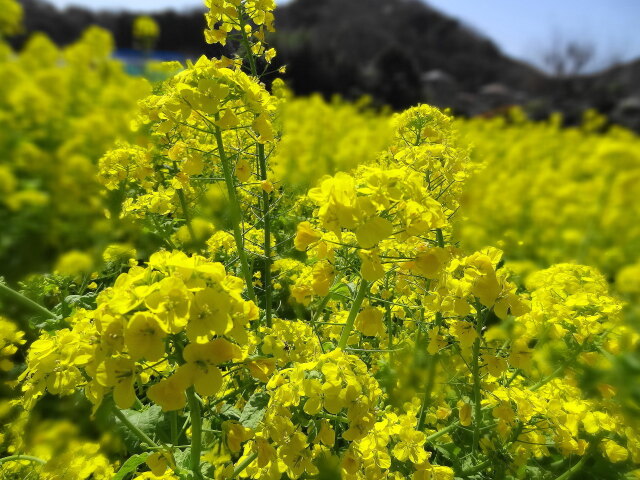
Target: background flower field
207, 277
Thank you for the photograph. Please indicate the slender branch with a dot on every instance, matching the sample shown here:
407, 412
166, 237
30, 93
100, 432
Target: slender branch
196, 432
18, 458
185, 211
475, 469
244, 464
266, 218
477, 397
430, 381
576, 468
443, 431
355, 308
26, 301
236, 216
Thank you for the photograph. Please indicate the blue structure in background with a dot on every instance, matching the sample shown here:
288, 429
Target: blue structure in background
135, 60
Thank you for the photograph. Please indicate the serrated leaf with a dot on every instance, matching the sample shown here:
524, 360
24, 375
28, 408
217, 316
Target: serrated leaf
230, 411
253, 411
151, 421
130, 466
182, 457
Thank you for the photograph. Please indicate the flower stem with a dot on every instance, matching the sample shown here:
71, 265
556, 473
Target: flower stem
244, 464
443, 431
187, 216
236, 214
26, 301
196, 432
363, 289
266, 219
430, 380
576, 468
477, 397
18, 458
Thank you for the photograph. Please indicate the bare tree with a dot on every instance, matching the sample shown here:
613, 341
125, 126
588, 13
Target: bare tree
568, 58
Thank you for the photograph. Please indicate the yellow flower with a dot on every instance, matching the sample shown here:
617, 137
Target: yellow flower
201, 360
464, 413
144, 336
169, 392
372, 268
235, 434
243, 170
74, 264
305, 236
369, 321
410, 446
170, 300
209, 313
159, 461
373, 231
119, 373
615, 452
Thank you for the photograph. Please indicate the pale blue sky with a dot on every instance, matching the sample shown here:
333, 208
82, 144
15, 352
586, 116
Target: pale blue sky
521, 28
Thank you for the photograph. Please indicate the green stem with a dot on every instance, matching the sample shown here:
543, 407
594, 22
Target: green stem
475, 469
185, 211
389, 318
18, 458
244, 464
196, 432
430, 380
134, 429
173, 419
355, 308
236, 214
26, 301
443, 431
576, 468
266, 207
556, 372
247, 44
477, 397
266, 219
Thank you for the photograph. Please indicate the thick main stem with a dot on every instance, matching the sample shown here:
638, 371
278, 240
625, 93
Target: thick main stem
266, 219
355, 308
434, 360
196, 432
477, 396
266, 203
236, 214
430, 382
187, 216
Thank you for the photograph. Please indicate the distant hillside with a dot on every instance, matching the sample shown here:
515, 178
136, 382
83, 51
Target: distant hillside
387, 49
400, 52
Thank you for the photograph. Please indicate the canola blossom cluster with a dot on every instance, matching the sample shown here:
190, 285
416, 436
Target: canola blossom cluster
285, 301
554, 194
60, 110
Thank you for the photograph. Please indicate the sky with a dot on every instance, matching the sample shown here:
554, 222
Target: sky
523, 29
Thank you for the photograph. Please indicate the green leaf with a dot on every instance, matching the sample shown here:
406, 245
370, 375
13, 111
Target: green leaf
130, 466
254, 410
229, 411
182, 458
151, 421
